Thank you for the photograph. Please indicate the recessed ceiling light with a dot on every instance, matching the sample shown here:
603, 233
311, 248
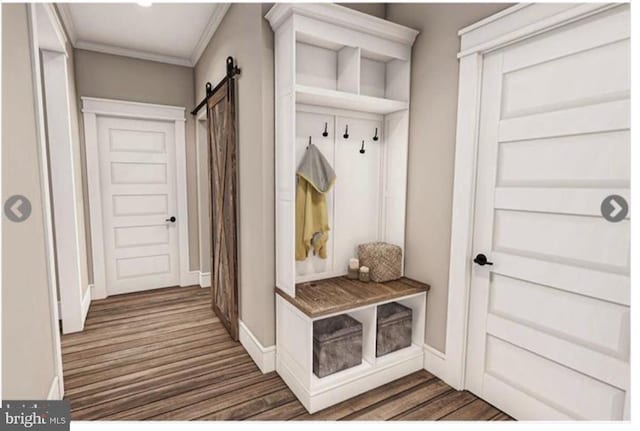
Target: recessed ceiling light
144, 3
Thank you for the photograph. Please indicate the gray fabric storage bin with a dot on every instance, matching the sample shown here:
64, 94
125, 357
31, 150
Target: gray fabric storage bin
337, 344
393, 328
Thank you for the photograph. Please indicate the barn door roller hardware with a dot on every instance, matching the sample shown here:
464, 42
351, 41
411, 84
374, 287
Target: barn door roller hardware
232, 71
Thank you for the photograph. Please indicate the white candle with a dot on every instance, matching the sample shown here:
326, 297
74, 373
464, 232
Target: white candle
364, 269
354, 263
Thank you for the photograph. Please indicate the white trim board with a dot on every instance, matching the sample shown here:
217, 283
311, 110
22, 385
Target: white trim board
59, 40
341, 15
66, 187
197, 278
65, 16
264, 357
520, 22
47, 218
126, 52
435, 362
505, 28
55, 390
205, 279
207, 33
86, 303
92, 108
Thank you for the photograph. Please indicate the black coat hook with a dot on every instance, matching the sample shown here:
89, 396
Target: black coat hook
362, 148
325, 133
309, 143
346, 132
375, 138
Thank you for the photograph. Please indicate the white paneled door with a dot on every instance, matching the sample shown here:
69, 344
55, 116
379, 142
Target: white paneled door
139, 205
549, 319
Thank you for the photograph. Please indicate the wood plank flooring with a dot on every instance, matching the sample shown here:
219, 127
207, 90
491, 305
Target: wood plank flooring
163, 354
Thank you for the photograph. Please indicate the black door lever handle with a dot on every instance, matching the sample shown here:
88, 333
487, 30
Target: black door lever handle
172, 219
481, 260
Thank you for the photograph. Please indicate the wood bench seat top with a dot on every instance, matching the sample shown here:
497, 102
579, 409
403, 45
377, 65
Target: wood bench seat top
333, 295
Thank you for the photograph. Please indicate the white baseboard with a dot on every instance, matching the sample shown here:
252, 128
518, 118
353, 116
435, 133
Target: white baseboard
435, 362
86, 303
190, 278
84, 306
196, 278
205, 279
54, 389
264, 357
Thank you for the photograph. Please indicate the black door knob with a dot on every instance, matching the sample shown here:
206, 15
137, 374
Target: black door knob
481, 260
172, 219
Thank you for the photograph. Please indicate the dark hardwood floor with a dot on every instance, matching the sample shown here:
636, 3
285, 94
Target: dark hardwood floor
164, 355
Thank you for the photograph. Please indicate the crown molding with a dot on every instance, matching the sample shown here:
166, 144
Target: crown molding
214, 22
341, 15
67, 21
142, 55
57, 40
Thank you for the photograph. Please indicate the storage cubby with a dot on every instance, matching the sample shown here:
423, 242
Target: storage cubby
329, 66
367, 316
384, 77
372, 77
339, 67
334, 75
332, 297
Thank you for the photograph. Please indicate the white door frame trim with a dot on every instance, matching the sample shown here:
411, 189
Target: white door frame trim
56, 390
507, 27
202, 183
92, 108
66, 190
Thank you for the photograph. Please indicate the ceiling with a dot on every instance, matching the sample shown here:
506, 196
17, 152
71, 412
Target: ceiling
175, 33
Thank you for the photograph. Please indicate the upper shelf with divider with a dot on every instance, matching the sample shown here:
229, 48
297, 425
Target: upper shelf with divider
347, 77
345, 59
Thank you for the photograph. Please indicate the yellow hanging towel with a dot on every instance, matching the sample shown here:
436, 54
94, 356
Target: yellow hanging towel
315, 178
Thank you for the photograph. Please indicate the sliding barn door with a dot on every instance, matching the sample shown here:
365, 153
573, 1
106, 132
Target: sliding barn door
222, 180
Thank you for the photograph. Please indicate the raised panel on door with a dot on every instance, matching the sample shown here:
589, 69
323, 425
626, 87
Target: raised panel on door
549, 321
137, 162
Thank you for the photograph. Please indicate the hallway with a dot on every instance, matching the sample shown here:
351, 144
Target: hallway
162, 354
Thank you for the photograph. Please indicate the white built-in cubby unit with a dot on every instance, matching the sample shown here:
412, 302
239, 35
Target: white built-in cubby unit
294, 332
344, 69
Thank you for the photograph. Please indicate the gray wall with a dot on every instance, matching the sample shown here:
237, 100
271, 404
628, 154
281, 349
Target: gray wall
432, 129
375, 9
116, 77
246, 36
27, 343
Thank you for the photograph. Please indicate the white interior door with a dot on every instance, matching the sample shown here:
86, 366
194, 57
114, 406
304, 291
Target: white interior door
138, 186
549, 320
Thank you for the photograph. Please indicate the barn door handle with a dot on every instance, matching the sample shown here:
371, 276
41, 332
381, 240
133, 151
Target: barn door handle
172, 219
481, 260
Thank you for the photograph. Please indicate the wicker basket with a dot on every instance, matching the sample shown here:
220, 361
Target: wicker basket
384, 260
